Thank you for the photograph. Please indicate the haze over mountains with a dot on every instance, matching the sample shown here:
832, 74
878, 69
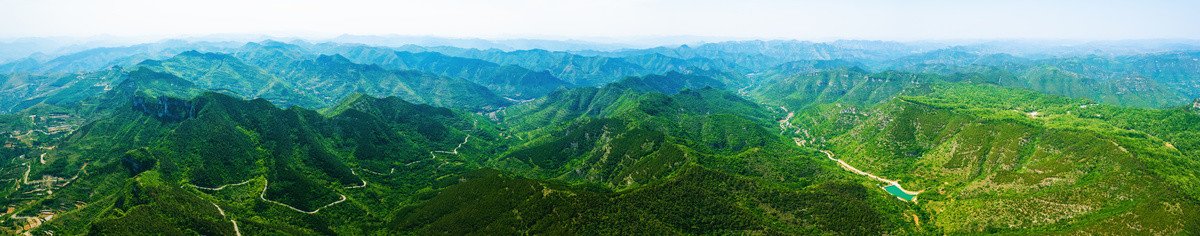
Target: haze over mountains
421, 135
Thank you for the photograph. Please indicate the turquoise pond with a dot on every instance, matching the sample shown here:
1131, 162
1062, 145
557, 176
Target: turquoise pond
894, 190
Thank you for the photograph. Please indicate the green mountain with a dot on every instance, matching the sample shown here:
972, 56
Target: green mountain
568, 104
161, 150
330, 78
956, 56
670, 83
849, 86
24, 90
322, 81
759, 55
509, 81
1171, 69
973, 148
731, 138
223, 72
572, 68
1150, 81
696, 201
273, 56
93, 59
368, 156
642, 131
706, 146
1129, 91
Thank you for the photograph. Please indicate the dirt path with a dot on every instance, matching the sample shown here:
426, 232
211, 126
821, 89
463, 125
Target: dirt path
82, 169
364, 182
235, 226
218, 208
518, 101
222, 186
377, 173
1127, 151
27, 169
743, 92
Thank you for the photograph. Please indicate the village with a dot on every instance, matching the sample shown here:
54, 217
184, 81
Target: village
27, 145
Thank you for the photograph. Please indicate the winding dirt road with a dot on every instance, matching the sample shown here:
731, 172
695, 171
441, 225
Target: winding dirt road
221, 187
264, 197
857, 171
455, 151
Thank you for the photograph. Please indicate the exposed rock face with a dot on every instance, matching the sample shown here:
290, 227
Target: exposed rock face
1195, 106
165, 108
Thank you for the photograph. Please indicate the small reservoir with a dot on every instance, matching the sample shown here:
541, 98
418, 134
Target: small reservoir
895, 190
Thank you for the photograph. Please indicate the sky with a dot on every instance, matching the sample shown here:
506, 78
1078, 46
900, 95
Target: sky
611, 19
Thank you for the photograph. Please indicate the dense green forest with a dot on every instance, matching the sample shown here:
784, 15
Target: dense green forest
740, 137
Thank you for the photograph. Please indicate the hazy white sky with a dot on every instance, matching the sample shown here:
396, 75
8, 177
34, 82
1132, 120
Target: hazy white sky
560, 19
